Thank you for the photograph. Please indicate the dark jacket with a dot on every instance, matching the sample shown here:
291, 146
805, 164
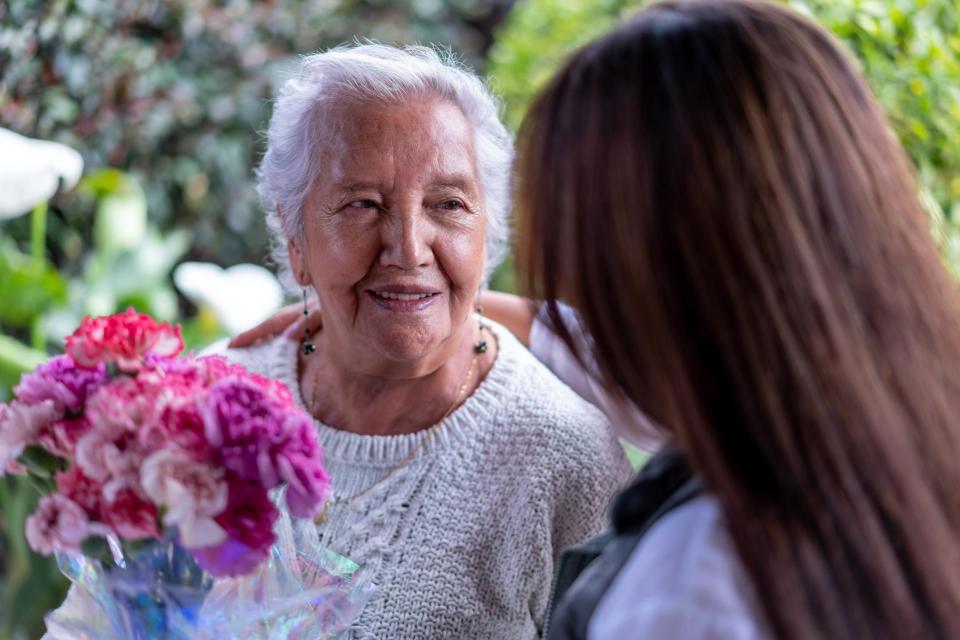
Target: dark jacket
587, 570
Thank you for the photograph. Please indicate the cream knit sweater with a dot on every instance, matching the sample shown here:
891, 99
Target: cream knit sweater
462, 541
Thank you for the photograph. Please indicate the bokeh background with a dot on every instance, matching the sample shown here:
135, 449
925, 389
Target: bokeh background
167, 102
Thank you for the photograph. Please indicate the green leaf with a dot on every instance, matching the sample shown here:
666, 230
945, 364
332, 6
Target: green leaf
27, 286
41, 463
16, 359
96, 548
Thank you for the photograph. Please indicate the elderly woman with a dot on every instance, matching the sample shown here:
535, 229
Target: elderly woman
461, 467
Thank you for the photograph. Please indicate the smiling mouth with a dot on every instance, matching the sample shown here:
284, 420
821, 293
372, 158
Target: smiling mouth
404, 297
403, 302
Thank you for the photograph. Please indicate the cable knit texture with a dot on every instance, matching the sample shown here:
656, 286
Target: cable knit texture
462, 541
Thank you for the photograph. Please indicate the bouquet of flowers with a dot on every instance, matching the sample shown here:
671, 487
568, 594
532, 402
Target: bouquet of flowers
161, 477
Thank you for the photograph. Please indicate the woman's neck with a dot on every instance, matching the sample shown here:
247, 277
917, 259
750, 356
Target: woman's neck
391, 404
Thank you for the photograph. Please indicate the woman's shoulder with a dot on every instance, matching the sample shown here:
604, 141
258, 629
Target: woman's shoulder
553, 425
684, 577
535, 397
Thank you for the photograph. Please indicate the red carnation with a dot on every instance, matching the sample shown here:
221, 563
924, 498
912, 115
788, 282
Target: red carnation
124, 339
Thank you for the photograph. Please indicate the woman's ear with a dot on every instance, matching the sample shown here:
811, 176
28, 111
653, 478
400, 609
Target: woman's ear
298, 263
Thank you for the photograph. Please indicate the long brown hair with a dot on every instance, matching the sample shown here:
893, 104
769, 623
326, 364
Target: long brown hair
714, 187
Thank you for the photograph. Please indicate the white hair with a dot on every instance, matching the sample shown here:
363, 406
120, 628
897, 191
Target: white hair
374, 71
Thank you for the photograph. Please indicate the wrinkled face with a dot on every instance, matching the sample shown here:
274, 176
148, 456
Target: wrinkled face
394, 233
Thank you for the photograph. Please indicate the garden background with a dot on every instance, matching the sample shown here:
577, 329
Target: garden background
167, 102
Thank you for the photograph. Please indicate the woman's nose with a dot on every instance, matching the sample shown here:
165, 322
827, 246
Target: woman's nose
407, 240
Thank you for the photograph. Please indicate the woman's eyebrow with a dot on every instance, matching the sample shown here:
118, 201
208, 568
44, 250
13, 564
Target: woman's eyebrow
356, 186
462, 182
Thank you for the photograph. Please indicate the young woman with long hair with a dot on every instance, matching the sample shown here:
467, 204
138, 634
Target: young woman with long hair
715, 189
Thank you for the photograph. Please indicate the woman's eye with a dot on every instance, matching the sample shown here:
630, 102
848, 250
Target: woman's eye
363, 204
451, 205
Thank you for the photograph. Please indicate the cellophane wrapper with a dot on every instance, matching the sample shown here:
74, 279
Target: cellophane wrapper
302, 591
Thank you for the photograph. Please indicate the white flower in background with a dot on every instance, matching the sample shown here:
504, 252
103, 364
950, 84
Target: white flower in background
240, 296
31, 170
121, 221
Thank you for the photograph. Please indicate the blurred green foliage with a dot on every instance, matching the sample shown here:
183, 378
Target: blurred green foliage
537, 38
128, 263
908, 49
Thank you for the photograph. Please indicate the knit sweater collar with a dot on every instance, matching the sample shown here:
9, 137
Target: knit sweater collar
477, 410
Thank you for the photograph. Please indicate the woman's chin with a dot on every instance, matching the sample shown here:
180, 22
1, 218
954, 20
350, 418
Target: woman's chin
408, 344
407, 347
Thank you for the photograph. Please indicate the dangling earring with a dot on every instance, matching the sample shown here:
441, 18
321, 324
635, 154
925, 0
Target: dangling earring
305, 345
481, 345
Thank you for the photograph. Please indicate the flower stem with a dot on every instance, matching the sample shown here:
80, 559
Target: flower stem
38, 250
38, 233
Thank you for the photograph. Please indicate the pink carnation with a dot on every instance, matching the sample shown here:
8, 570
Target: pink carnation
183, 365
131, 516
60, 437
20, 426
215, 368
179, 423
248, 520
126, 404
82, 490
300, 463
68, 387
308, 485
58, 524
112, 458
125, 339
192, 493
274, 388
260, 437
218, 367
111, 451
183, 374
62, 381
246, 425
174, 415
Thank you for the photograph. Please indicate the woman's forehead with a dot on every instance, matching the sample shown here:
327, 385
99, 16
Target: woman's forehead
422, 120
429, 139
